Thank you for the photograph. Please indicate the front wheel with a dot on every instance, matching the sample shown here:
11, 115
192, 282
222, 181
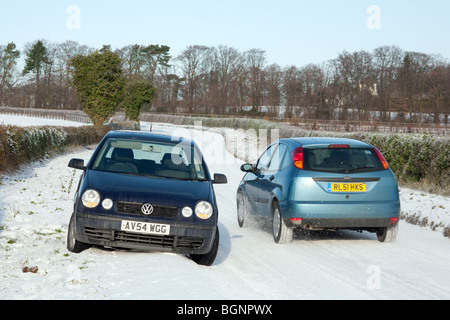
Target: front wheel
281, 233
388, 234
73, 245
242, 214
208, 258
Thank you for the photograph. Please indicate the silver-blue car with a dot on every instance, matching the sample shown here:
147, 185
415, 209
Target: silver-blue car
321, 184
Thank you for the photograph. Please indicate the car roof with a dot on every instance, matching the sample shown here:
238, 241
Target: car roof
149, 136
310, 142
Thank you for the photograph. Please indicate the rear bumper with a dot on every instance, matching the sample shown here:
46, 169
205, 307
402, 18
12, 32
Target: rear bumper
356, 224
184, 238
357, 215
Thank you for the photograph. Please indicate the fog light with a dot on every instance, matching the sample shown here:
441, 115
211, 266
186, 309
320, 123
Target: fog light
107, 204
296, 221
186, 212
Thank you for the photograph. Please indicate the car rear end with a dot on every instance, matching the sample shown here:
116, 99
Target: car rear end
341, 184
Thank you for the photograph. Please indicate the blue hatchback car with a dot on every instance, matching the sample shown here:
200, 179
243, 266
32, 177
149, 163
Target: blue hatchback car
146, 191
321, 184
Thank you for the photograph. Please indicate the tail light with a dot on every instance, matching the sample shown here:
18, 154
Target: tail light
393, 221
297, 158
382, 159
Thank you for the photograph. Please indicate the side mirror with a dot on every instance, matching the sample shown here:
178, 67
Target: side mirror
247, 167
77, 164
220, 179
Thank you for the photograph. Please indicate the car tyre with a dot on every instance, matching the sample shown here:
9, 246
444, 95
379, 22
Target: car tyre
281, 233
208, 258
242, 213
388, 234
73, 245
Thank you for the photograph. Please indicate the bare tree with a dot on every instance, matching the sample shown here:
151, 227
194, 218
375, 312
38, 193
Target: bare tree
386, 62
256, 59
190, 62
273, 83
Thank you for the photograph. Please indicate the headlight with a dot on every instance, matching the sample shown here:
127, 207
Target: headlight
90, 198
204, 210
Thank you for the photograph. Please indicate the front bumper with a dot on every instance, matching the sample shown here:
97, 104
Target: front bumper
184, 238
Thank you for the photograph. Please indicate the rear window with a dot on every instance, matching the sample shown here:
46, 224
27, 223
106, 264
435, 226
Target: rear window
341, 160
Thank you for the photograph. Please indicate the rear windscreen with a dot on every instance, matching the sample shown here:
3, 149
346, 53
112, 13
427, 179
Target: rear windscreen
341, 160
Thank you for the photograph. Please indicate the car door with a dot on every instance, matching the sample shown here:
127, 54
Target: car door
252, 181
269, 181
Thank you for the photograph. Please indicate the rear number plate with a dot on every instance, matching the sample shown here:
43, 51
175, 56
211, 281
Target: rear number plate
145, 228
347, 187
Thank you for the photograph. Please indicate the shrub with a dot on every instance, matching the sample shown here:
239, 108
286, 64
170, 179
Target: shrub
21, 145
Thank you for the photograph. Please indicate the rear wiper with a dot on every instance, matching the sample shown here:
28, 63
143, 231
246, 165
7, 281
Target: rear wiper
358, 168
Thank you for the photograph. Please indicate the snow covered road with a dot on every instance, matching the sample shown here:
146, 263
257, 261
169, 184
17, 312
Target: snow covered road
35, 207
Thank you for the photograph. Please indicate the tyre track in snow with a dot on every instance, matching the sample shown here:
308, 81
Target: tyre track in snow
35, 207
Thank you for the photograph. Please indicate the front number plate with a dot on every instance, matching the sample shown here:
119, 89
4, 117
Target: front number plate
145, 227
347, 187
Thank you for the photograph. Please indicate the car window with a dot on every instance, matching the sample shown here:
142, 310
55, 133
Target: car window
150, 159
341, 160
264, 160
276, 162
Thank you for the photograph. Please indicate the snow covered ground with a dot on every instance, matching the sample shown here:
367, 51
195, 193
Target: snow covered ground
35, 207
32, 121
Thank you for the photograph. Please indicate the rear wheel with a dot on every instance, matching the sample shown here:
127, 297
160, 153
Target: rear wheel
388, 234
281, 233
208, 258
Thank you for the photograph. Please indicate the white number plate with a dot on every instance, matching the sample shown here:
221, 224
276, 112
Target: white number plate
145, 228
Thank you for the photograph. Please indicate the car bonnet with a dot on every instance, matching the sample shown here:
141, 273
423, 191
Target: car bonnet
123, 187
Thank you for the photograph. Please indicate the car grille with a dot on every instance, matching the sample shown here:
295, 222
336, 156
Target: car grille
140, 239
134, 208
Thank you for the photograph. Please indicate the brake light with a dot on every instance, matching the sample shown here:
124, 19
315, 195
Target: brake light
339, 146
382, 159
297, 158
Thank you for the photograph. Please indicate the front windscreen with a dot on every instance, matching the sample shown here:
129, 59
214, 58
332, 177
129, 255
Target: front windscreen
145, 158
341, 160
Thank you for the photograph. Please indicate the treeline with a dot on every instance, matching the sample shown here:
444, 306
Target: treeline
388, 83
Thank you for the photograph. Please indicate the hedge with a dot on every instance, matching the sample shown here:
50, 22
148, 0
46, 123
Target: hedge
19, 145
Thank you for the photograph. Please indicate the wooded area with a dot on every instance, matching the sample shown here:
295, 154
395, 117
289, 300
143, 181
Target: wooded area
388, 84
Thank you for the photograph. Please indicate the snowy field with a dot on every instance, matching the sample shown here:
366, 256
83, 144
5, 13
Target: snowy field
32, 121
36, 204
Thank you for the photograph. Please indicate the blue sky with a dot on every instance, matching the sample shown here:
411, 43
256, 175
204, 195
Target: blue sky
291, 32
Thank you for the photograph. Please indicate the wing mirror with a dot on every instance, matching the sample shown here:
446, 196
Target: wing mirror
247, 167
220, 179
77, 164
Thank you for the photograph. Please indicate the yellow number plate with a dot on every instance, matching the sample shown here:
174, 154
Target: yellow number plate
347, 187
